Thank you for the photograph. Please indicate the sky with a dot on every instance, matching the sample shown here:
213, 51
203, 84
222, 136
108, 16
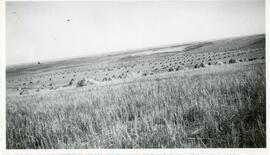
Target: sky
45, 31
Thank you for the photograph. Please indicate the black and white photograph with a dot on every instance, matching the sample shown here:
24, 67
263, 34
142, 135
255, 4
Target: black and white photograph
135, 74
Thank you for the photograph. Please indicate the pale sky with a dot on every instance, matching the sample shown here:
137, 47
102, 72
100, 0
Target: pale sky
41, 31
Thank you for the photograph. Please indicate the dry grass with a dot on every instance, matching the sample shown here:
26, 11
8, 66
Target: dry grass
226, 109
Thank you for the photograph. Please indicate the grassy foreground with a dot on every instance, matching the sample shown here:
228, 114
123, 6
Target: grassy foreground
219, 109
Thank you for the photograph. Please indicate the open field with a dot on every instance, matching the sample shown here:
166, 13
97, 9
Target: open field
205, 94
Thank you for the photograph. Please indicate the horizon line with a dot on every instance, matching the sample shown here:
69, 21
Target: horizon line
112, 53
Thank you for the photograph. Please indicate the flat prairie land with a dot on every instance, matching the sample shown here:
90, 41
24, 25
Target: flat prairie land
199, 95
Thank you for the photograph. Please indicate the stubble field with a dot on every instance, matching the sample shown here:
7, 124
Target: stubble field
204, 95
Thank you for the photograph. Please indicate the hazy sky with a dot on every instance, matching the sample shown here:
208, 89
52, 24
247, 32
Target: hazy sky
53, 30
